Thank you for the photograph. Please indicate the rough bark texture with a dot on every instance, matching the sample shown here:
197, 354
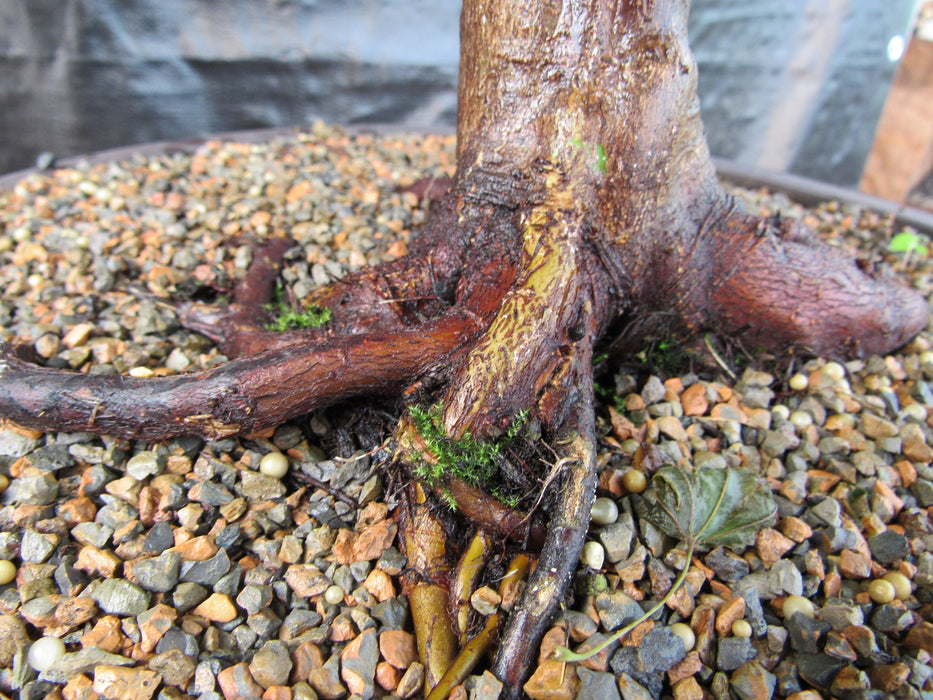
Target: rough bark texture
584, 201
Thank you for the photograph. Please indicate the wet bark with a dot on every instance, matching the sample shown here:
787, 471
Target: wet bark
585, 199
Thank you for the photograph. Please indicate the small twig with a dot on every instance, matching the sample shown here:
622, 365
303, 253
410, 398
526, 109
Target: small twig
719, 360
318, 484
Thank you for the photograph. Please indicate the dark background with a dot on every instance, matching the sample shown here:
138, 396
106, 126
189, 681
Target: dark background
788, 85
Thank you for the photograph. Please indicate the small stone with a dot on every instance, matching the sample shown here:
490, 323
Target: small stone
178, 639
92, 533
217, 608
411, 682
379, 583
888, 547
616, 609
199, 548
688, 689
358, 663
120, 597
486, 687
616, 539
854, 565
158, 574
596, 685
727, 566
672, 428
391, 613
84, 660
889, 677
772, 545
485, 600
326, 679
653, 391
728, 614
36, 547
398, 648
306, 580
72, 612
733, 652
175, 667
188, 595
34, 488
254, 598
819, 670
366, 544
806, 633
271, 665
752, 682
153, 624
143, 465
829, 511
920, 637
13, 635
208, 571
259, 487
236, 683
118, 683
660, 650
553, 680
694, 401
632, 690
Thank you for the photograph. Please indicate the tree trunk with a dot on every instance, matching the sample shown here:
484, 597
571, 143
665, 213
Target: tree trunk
585, 207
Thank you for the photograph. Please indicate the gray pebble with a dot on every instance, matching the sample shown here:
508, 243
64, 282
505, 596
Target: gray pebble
92, 533
188, 595
176, 638
143, 465
616, 609
727, 565
806, 633
206, 572
118, 596
82, 661
160, 573
391, 613
264, 623
159, 538
819, 669
732, 652
829, 511
229, 583
653, 391
116, 513
595, 685
36, 547
259, 487
888, 547
253, 598
15, 444
33, 489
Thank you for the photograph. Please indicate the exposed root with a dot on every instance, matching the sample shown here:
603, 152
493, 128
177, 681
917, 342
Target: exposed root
569, 521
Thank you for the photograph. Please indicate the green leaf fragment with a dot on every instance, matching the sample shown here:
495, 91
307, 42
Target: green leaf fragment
704, 507
909, 242
711, 507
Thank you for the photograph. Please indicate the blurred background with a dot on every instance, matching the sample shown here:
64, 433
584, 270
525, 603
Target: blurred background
797, 86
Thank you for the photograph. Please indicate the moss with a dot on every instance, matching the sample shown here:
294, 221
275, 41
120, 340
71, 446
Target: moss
467, 458
287, 319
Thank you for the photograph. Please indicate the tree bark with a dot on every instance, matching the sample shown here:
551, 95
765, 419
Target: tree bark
584, 201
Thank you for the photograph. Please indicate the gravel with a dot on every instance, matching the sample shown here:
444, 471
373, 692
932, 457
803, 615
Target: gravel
193, 574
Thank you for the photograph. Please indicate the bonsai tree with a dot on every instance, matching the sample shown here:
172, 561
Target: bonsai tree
584, 213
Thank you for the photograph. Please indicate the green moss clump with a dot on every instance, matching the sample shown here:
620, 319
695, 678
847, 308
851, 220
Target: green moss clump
287, 319
468, 459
